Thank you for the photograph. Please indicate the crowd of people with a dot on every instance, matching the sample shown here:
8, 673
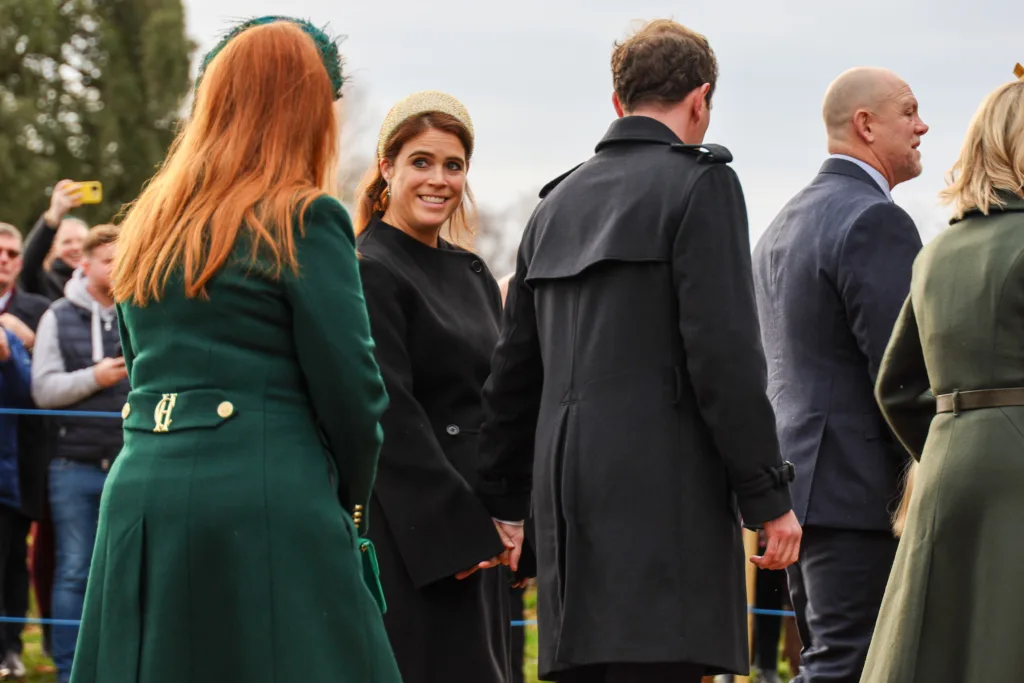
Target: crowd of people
61, 351
605, 420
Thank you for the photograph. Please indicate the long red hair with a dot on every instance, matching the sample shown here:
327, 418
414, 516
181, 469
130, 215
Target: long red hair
260, 146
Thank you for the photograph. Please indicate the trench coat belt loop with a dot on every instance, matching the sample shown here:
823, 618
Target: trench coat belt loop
959, 401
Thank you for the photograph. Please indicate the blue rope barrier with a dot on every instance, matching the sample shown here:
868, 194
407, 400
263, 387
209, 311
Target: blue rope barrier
65, 413
772, 612
49, 622
520, 623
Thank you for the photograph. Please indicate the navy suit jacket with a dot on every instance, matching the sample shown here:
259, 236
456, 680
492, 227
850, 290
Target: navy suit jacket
831, 274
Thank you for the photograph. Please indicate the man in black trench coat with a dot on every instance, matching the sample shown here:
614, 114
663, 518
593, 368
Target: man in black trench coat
627, 392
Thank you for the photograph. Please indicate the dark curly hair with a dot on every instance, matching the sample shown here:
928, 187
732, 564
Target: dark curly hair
661, 64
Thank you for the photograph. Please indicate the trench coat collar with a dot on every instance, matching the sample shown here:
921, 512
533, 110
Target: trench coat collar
638, 129
1011, 202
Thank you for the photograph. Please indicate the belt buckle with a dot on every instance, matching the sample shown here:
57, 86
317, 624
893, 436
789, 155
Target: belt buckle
956, 402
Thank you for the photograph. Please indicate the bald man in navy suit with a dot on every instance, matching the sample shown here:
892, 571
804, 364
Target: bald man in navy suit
830, 275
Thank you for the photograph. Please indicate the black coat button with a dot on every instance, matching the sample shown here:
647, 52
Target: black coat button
477, 266
453, 430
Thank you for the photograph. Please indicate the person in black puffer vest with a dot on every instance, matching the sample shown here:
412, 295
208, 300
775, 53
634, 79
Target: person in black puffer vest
78, 366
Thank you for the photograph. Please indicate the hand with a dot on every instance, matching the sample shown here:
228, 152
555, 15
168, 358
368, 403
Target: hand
22, 331
486, 564
5, 348
109, 372
512, 536
64, 198
522, 583
783, 536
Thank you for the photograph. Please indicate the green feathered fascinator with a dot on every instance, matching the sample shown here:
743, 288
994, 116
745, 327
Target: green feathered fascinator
326, 44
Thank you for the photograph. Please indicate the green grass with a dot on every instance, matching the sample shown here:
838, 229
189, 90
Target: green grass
530, 646
40, 668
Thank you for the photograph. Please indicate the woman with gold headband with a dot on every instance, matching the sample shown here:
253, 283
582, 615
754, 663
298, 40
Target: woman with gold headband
434, 311
226, 551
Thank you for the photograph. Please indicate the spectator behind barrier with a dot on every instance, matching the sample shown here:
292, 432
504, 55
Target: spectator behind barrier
54, 247
15, 392
78, 366
27, 438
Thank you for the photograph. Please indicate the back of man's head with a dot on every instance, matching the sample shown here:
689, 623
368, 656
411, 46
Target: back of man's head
661, 64
855, 89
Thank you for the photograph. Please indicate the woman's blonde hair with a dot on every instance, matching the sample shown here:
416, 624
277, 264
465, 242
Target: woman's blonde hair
259, 148
899, 518
992, 157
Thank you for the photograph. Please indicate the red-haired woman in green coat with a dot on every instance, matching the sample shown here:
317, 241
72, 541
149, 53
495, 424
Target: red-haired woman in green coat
229, 541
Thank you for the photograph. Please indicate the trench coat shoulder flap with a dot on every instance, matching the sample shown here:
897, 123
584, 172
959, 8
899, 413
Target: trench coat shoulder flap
556, 248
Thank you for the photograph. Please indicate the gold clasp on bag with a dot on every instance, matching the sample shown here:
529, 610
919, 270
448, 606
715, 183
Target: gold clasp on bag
162, 414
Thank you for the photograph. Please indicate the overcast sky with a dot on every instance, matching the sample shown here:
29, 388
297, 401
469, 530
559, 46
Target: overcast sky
535, 76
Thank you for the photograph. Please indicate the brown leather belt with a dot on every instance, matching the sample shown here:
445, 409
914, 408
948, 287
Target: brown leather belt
975, 400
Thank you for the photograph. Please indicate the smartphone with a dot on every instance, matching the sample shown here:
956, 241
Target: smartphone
91, 191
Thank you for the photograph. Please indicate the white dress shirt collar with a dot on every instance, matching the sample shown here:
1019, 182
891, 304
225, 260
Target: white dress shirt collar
870, 170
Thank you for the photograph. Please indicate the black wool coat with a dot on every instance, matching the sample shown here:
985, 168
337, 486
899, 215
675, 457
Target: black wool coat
627, 406
434, 315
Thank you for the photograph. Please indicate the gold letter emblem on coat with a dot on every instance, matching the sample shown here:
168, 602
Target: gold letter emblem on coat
162, 414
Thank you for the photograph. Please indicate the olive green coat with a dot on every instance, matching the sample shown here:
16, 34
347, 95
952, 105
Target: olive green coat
954, 606
223, 554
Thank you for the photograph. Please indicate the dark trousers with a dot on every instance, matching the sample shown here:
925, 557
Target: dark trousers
634, 673
41, 570
837, 588
771, 593
14, 528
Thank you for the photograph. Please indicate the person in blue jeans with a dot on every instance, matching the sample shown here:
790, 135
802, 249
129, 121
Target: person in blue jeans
78, 366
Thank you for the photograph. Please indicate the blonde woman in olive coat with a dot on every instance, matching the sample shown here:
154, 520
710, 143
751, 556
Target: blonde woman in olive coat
952, 388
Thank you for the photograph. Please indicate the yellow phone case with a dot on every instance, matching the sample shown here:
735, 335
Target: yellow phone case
91, 191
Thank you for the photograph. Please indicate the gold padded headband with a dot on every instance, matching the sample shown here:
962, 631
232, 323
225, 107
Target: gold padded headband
421, 103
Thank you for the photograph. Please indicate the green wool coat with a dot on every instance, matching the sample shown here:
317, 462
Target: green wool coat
954, 606
226, 551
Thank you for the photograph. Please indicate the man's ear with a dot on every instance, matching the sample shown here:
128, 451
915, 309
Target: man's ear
700, 103
862, 125
619, 111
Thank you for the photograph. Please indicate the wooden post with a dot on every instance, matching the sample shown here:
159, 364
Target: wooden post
749, 550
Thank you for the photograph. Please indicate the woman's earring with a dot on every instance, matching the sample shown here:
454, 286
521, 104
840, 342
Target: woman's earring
387, 192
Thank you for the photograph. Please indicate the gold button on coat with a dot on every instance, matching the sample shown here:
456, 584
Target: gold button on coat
126, 411
225, 409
